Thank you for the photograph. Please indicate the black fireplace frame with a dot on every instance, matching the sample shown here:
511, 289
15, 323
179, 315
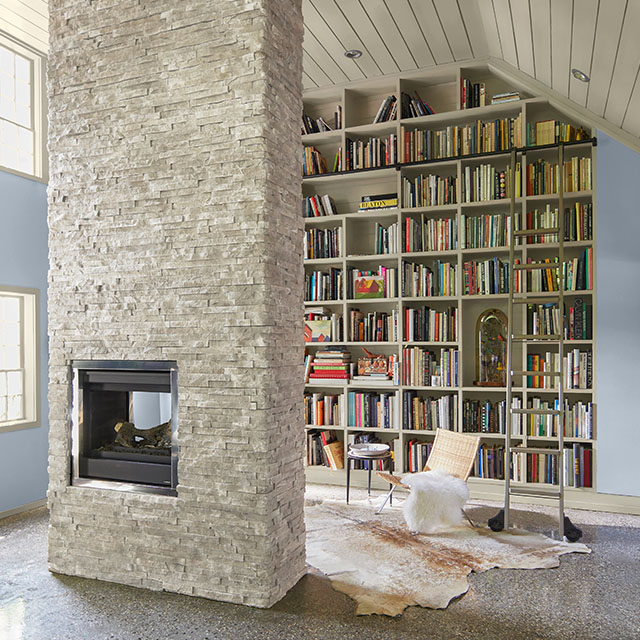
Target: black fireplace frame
82, 367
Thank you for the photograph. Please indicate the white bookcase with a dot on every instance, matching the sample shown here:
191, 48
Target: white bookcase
441, 89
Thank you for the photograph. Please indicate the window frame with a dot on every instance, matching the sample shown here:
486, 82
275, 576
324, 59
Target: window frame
38, 108
31, 361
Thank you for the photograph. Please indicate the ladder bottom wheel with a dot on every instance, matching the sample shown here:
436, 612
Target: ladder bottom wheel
497, 522
571, 532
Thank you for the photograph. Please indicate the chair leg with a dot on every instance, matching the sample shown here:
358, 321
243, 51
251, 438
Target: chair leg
475, 526
389, 497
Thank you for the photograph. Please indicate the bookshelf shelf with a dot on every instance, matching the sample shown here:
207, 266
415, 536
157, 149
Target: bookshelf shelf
360, 235
322, 137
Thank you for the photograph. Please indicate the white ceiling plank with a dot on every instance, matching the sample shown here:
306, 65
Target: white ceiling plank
471, 16
314, 48
430, 25
522, 30
361, 23
346, 34
16, 18
561, 20
505, 27
408, 25
307, 82
585, 17
608, 32
626, 66
315, 23
27, 11
490, 28
453, 26
39, 43
541, 30
41, 6
390, 34
315, 72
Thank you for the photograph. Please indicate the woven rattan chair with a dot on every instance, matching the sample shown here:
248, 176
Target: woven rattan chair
454, 453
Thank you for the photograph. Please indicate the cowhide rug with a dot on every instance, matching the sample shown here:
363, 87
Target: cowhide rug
376, 560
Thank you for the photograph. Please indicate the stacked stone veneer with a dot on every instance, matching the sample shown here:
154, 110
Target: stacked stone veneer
175, 234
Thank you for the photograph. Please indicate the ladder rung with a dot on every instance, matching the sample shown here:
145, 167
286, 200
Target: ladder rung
535, 493
536, 296
537, 412
529, 266
547, 374
536, 232
553, 452
540, 298
541, 337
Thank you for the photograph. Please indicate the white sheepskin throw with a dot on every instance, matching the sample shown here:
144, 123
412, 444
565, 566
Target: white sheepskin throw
435, 501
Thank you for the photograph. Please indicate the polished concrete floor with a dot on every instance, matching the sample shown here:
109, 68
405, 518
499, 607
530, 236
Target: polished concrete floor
595, 596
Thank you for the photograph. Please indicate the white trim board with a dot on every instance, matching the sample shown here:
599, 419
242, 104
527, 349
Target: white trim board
22, 509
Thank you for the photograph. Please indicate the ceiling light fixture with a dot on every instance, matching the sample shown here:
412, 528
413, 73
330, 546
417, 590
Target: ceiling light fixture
580, 75
352, 54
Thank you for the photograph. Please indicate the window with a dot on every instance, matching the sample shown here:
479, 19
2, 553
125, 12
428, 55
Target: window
21, 110
19, 361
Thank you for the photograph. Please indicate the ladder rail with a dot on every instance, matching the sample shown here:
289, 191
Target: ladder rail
561, 278
512, 337
509, 398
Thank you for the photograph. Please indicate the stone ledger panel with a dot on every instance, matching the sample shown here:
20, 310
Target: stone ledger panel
175, 234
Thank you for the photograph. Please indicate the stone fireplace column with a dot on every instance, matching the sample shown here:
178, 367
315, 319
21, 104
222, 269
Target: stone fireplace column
176, 235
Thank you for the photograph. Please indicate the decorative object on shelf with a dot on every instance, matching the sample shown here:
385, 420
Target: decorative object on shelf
491, 349
373, 364
317, 331
368, 287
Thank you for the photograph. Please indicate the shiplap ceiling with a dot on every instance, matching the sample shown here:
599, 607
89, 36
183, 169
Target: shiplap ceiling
543, 39
26, 21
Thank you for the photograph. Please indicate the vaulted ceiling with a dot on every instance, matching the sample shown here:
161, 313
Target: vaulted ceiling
540, 40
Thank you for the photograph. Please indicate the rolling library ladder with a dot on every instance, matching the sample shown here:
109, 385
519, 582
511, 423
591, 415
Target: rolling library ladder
525, 297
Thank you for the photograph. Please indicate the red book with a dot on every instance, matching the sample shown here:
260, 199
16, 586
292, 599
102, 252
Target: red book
330, 374
587, 468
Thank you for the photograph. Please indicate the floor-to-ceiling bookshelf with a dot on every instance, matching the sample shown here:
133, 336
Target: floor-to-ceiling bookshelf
442, 90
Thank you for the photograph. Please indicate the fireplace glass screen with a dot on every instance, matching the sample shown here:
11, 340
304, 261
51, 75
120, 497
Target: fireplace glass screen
125, 422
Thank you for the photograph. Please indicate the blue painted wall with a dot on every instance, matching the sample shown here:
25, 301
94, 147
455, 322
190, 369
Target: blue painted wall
24, 263
618, 317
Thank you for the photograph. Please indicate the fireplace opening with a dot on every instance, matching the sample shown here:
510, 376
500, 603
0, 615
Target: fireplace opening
125, 425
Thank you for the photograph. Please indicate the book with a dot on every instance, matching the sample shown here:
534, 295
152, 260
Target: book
381, 201
387, 110
335, 454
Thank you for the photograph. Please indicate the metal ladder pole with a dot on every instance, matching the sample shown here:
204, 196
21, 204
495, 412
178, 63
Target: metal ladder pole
509, 399
561, 285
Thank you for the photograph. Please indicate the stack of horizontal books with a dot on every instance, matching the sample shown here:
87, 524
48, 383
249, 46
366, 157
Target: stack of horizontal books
331, 365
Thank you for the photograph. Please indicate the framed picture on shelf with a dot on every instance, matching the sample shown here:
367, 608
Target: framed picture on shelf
317, 331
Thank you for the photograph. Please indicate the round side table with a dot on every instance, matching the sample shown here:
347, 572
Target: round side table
367, 457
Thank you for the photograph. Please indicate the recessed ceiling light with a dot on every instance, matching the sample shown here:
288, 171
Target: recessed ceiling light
580, 75
352, 54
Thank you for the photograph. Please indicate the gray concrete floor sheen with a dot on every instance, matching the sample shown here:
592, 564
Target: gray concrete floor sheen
595, 596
